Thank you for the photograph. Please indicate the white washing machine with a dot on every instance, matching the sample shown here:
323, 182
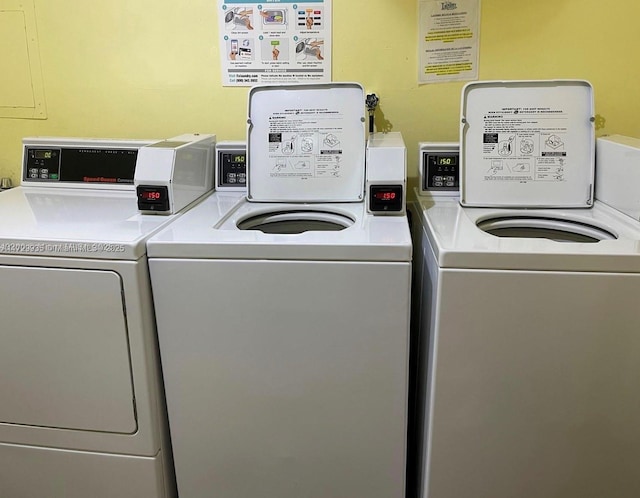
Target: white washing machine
529, 366
82, 410
283, 327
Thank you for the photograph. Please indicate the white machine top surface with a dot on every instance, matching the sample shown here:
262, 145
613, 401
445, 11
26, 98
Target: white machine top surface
198, 234
527, 144
459, 243
306, 143
78, 223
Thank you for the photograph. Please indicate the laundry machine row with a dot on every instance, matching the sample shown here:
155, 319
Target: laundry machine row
526, 305
82, 410
283, 324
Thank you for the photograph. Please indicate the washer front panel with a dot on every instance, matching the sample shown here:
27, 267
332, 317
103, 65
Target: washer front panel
537, 373
299, 389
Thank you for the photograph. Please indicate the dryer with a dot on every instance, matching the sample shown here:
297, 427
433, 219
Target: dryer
527, 325
283, 327
82, 409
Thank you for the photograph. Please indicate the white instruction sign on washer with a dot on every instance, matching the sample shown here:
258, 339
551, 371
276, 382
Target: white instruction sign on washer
522, 144
527, 143
306, 143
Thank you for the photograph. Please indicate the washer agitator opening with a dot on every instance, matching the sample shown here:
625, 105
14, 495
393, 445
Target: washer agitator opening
296, 221
542, 227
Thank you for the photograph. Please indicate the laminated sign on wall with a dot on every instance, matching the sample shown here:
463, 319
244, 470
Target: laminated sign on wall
271, 43
449, 32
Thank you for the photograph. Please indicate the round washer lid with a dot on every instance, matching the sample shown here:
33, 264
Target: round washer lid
306, 143
527, 144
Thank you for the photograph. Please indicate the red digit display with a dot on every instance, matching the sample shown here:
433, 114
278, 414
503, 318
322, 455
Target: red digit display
150, 195
385, 196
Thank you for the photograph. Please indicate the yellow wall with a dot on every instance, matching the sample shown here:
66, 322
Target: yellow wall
150, 68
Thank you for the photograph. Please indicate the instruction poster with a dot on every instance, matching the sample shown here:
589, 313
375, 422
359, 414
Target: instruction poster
274, 42
309, 143
525, 144
449, 32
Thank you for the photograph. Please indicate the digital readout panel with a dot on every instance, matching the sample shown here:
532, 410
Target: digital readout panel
80, 165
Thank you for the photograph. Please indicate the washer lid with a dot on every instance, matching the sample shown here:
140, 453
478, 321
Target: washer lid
527, 144
306, 143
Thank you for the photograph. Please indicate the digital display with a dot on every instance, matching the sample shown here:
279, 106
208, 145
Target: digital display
386, 199
446, 160
385, 196
43, 154
150, 195
238, 159
153, 198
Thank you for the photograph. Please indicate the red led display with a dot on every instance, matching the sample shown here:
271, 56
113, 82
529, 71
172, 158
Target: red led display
150, 195
385, 196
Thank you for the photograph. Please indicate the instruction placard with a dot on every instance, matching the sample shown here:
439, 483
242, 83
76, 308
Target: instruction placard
274, 43
524, 144
449, 32
527, 143
307, 144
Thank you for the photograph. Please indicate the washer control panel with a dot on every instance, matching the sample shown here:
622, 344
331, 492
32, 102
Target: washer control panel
440, 168
231, 166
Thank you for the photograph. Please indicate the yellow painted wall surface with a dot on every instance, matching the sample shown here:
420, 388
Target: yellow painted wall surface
151, 69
